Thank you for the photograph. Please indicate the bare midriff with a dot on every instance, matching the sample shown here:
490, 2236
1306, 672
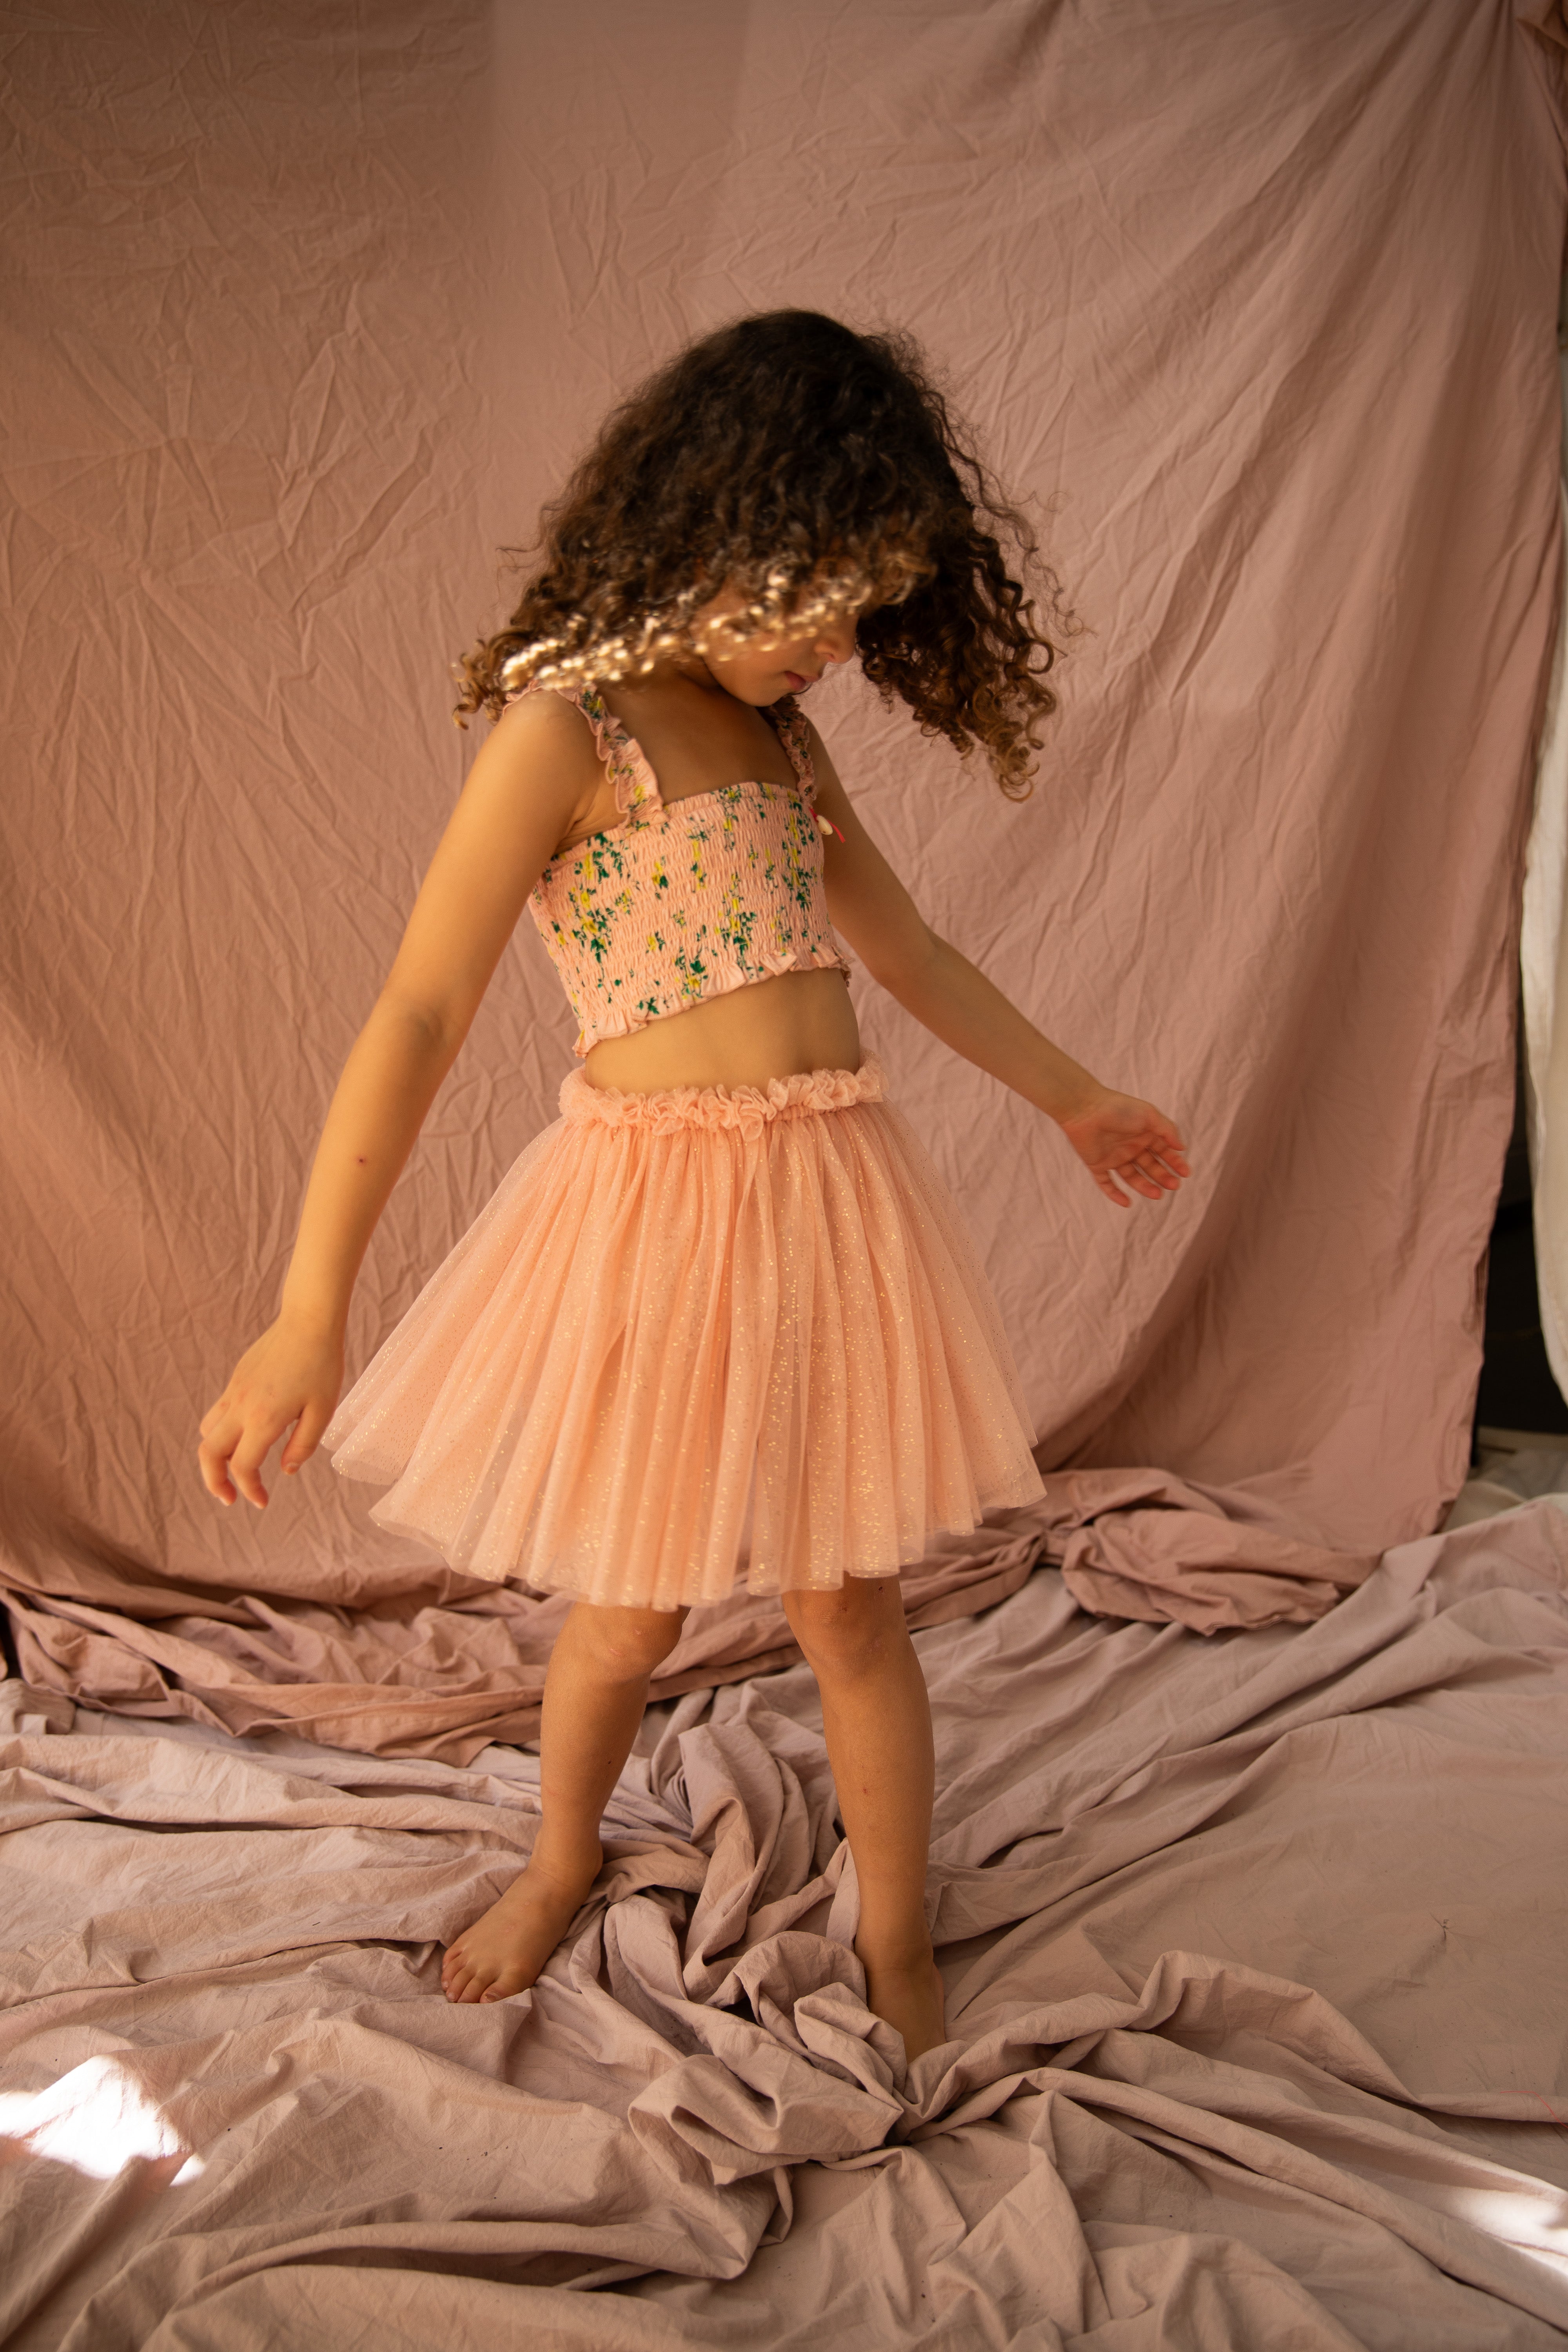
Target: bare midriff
771, 1029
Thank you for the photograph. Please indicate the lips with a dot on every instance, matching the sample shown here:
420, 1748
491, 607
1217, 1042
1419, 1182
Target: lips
796, 681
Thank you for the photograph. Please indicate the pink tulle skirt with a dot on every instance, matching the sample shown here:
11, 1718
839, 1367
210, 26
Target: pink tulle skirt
695, 1334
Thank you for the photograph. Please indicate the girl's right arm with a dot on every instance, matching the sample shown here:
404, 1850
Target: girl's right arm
525, 788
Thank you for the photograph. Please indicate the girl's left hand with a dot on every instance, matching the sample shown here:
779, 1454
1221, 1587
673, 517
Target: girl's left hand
1117, 1135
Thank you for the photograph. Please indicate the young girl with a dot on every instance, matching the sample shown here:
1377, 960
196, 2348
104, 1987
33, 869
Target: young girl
723, 1314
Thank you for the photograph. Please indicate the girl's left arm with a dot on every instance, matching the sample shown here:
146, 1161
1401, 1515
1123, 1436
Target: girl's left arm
1115, 1135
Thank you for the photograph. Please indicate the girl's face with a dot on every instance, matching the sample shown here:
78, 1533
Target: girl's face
779, 660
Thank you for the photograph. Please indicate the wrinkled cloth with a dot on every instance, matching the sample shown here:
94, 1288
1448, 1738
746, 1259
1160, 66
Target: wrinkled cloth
446, 1663
1253, 1949
1137, 1543
438, 1669
313, 312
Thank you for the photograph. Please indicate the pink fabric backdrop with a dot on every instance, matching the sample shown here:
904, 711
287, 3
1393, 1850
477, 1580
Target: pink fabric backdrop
1253, 1945
1253, 302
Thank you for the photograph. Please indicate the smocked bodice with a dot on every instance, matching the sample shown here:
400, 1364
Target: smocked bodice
687, 901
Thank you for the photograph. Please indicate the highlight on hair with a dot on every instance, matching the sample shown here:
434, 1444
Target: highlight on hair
812, 470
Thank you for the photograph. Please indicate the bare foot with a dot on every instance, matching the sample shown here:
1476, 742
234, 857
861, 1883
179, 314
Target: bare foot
906, 1992
504, 1950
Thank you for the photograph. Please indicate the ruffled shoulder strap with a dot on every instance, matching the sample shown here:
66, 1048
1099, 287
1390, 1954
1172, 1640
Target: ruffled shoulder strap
795, 734
637, 786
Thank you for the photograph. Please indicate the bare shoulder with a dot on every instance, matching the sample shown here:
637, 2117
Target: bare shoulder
538, 763
544, 727
540, 756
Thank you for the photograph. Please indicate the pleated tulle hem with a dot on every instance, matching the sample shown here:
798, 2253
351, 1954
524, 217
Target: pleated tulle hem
697, 1336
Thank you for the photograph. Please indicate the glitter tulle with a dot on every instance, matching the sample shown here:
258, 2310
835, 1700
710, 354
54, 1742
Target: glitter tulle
714, 1331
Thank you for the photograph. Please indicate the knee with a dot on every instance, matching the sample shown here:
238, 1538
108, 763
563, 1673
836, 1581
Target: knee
851, 1632
626, 1644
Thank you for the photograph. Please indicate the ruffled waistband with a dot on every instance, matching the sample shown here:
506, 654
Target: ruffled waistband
750, 1109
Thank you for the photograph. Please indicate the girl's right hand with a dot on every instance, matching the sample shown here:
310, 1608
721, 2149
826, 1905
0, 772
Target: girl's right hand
289, 1377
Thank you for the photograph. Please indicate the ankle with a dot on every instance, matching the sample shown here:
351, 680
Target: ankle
566, 1857
899, 1945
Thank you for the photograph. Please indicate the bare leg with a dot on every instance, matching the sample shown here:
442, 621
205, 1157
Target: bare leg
594, 1693
877, 1718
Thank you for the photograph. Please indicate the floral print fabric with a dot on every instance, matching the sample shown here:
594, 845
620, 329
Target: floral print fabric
679, 903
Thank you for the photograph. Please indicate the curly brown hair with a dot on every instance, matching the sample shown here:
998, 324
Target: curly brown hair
807, 466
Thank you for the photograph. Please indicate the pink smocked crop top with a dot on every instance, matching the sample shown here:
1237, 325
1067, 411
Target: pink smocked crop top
682, 901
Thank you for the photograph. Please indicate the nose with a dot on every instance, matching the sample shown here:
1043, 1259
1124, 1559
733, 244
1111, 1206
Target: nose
835, 641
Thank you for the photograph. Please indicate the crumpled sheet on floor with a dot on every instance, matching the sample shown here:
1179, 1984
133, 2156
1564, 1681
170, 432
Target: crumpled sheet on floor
439, 1664
1253, 1948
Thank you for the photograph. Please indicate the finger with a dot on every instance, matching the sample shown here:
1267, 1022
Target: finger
212, 1473
1131, 1174
246, 1461
307, 1436
1160, 1138
212, 1454
1111, 1190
